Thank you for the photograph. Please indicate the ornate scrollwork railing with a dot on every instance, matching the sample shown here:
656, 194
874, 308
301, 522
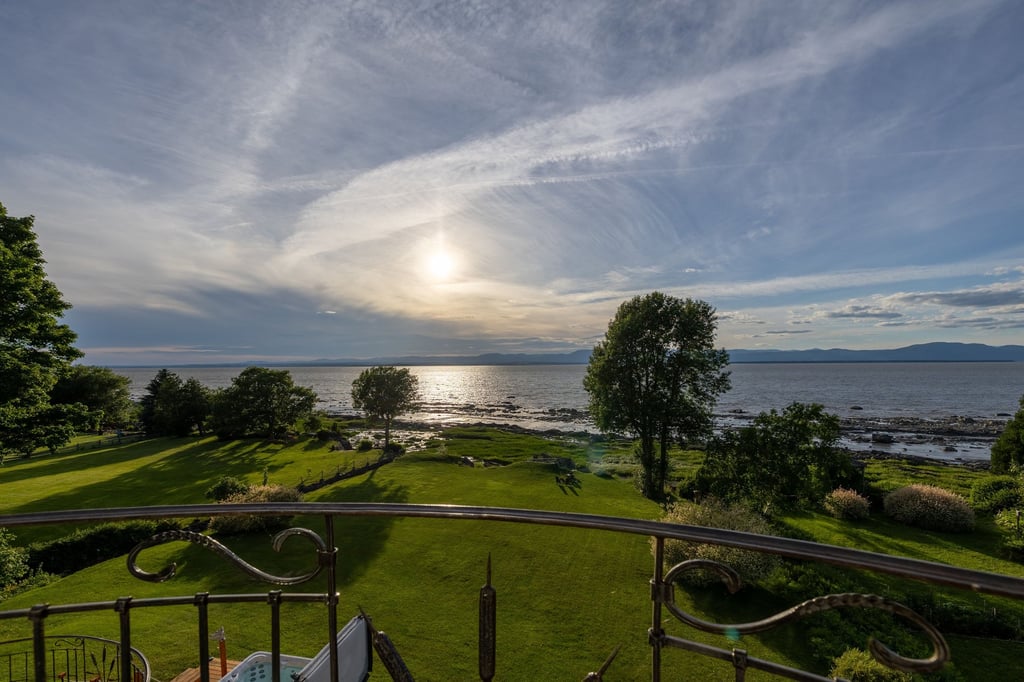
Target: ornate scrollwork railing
661, 585
324, 556
940, 649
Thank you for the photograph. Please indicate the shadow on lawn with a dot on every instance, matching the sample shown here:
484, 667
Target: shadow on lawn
180, 477
43, 465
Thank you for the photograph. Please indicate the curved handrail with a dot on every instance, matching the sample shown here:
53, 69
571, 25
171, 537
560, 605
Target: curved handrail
92, 638
916, 569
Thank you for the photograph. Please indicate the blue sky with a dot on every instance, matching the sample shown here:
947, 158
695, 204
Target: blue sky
288, 180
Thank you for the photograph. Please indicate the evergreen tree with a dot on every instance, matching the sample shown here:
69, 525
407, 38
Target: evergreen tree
35, 348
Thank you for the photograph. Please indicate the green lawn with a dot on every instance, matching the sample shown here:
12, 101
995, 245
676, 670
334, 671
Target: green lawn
566, 598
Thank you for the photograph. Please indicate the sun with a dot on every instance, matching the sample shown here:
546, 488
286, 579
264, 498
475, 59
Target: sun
440, 265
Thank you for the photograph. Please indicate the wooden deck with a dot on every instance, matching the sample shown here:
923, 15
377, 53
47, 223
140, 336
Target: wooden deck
192, 674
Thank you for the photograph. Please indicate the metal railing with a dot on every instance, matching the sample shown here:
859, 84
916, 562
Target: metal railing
70, 658
662, 590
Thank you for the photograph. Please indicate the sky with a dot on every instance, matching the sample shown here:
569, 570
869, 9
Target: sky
258, 181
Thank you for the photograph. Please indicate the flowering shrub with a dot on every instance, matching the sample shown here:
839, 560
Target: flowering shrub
858, 665
927, 506
713, 513
846, 504
230, 525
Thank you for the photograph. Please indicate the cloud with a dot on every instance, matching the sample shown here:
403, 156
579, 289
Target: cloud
993, 296
862, 312
264, 167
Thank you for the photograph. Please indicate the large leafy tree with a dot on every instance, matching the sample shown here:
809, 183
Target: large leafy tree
35, 348
782, 459
384, 393
102, 392
1008, 450
260, 401
657, 375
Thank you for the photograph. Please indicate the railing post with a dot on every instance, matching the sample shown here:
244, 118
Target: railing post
37, 614
656, 632
123, 608
488, 634
330, 563
201, 601
274, 598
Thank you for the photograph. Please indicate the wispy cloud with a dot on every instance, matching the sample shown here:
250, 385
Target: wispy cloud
786, 163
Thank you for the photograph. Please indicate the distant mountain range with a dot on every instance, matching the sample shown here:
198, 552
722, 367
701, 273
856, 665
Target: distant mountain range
923, 352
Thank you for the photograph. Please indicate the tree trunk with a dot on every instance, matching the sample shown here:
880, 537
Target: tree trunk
648, 468
663, 459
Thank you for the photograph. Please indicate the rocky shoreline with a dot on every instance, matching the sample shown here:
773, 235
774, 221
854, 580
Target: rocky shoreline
954, 440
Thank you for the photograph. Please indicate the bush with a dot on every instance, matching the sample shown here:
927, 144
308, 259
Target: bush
13, 559
226, 487
250, 523
847, 504
929, 507
995, 493
365, 445
1007, 520
393, 449
89, 546
857, 665
713, 513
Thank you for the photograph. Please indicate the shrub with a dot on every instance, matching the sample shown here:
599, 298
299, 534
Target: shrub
393, 449
857, 665
713, 513
995, 493
226, 487
89, 546
13, 559
929, 507
365, 445
1007, 520
251, 523
847, 504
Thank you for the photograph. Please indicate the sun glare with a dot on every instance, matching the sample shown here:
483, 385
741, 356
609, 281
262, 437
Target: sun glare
440, 265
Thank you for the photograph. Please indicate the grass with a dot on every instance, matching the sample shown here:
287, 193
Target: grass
566, 598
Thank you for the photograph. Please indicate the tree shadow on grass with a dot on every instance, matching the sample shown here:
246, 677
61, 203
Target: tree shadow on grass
360, 540
180, 477
67, 462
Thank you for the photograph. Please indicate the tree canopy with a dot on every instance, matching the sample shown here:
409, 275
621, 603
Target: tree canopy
781, 459
171, 407
35, 348
102, 392
384, 393
1008, 450
657, 375
262, 402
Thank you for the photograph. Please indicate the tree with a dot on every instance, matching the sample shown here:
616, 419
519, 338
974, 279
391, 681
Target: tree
1008, 450
35, 348
160, 404
102, 392
656, 375
780, 459
260, 401
384, 393
195, 404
